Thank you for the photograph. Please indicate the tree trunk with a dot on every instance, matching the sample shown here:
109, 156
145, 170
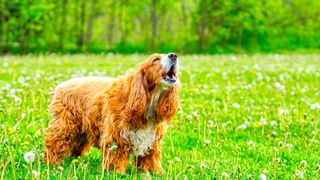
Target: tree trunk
82, 22
63, 25
3, 31
90, 21
154, 23
111, 25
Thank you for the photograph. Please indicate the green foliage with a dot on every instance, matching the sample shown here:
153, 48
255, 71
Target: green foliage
127, 26
240, 115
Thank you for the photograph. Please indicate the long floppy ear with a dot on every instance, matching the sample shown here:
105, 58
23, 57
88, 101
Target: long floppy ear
137, 100
168, 104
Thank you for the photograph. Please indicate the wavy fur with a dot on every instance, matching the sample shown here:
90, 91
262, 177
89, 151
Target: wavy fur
108, 112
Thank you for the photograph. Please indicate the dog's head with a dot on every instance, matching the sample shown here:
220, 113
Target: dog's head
160, 70
156, 77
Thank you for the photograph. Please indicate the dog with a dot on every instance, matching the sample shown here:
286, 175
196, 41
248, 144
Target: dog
124, 115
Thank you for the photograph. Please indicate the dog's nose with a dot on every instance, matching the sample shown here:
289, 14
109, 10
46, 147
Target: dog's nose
172, 56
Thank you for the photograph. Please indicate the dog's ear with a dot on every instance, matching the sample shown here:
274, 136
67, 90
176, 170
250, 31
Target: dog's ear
168, 104
137, 99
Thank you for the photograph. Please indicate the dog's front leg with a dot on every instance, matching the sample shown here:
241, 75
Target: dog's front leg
116, 157
152, 161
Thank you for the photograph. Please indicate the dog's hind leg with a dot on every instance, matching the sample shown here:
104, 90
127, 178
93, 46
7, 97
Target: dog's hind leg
82, 146
62, 134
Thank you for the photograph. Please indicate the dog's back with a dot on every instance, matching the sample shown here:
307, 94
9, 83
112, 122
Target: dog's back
77, 93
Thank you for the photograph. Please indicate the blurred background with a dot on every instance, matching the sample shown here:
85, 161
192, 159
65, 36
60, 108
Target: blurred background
184, 26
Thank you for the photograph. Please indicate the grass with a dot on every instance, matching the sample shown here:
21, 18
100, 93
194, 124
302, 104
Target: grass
240, 117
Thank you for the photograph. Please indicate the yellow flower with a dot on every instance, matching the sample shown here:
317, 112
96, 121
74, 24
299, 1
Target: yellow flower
75, 161
303, 122
26, 143
10, 130
257, 124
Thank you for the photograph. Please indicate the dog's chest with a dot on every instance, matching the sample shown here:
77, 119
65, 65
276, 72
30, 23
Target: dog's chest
142, 140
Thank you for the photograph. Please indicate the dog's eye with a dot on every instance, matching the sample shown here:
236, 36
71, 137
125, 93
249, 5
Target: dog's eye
156, 59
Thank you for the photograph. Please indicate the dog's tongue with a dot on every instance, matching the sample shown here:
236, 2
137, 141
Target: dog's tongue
170, 76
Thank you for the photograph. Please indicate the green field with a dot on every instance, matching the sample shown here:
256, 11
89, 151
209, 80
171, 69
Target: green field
240, 117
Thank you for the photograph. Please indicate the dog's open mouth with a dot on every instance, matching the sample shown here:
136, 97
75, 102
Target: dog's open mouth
170, 76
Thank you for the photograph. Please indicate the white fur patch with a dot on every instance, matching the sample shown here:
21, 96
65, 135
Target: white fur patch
141, 139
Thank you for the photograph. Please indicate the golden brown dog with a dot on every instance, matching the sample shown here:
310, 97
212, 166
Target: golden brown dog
122, 115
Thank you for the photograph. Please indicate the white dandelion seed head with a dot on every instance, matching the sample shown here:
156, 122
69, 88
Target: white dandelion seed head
263, 177
226, 124
177, 160
236, 105
224, 174
203, 166
250, 143
273, 123
304, 163
23, 115
263, 121
298, 173
289, 146
29, 156
35, 173
189, 116
206, 142
242, 126
283, 111
315, 106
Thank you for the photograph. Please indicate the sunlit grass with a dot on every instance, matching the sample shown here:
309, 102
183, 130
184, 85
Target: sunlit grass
240, 116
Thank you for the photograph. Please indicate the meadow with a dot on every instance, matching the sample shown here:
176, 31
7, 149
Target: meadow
240, 117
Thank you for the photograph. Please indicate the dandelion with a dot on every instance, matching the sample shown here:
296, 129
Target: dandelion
236, 105
283, 111
289, 146
23, 115
263, 177
250, 143
177, 160
35, 173
304, 163
29, 157
75, 161
274, 134
60, 168
263, 121
224, 174
250, 176
226, 124
298, 173
206, 142
242, 126
278, 160
17, 100
189, 116
315, 106
195, 113
313, 132
279, 86
203, 166
273, 123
